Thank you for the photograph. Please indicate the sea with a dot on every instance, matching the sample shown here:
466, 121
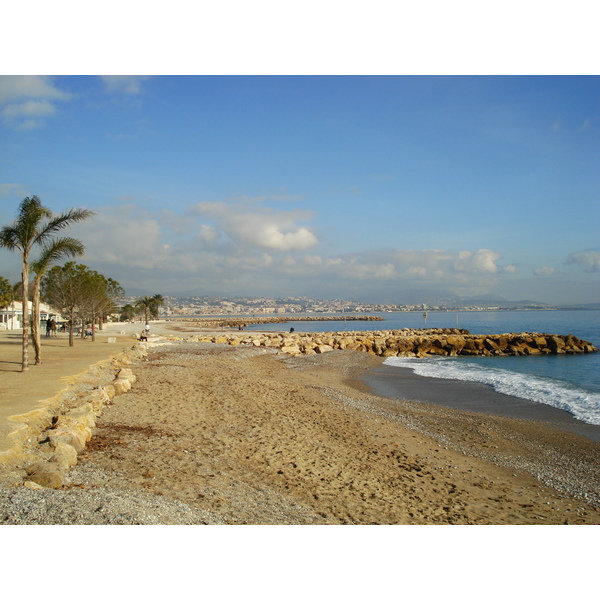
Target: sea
567, 382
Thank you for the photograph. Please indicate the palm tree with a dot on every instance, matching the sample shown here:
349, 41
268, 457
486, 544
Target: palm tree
145, 303
35, 225
157, 302
58, 249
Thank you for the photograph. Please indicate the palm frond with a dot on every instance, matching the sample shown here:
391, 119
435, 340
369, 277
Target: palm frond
9, 238
59, 222
58, 249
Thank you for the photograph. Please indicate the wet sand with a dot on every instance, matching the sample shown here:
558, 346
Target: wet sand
403, 383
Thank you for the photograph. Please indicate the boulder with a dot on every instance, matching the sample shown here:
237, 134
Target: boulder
556, 344
64, 455
292, 349
83, 414
455, 344
48, 475
322, 348
379, 346
121, 386
491, 345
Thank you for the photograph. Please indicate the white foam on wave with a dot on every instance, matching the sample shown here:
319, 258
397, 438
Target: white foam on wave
583, 405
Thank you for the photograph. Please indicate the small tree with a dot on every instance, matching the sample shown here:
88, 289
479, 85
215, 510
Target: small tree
65, 289
127, 313
5, 293
114, 292
99, 297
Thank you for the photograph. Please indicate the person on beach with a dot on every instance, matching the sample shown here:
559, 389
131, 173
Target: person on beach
143, 336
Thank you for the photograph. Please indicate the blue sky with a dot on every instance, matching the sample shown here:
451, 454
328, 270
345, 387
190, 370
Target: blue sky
353, 187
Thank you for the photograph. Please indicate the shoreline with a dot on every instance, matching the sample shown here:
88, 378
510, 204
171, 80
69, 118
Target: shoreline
211, 433
402, 383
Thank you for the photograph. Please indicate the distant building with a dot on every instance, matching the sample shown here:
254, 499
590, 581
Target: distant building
11, 317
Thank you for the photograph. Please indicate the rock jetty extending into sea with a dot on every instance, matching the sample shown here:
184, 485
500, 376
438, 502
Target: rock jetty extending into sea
408, 342
245, 321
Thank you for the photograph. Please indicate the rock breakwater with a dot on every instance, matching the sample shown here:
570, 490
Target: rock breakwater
245, 321
409, 342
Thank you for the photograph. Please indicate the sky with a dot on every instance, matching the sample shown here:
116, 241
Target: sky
329, 186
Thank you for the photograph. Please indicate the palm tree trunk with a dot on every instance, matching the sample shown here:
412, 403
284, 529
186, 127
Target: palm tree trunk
71, 331
35, 322
25, 285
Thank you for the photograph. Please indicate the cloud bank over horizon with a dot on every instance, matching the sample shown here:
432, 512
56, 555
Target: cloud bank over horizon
238, 249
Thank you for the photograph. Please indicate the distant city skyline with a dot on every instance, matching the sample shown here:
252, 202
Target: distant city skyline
357, 187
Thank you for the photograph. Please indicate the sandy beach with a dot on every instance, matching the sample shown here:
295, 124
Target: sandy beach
240, 435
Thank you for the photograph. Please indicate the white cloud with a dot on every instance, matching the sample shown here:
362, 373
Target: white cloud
288, 262
124, 84
123, 235
10, 189
588, 260
545, 272
481, 261
208, 235
31, 108
259, 228
28, 100
313, 260
424, 267
18, 87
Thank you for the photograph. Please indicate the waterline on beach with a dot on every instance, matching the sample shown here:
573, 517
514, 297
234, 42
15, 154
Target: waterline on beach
582, 404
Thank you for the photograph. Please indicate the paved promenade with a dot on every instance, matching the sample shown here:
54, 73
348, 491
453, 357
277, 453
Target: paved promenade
21, 393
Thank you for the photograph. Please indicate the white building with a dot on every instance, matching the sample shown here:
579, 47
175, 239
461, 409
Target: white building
11, 317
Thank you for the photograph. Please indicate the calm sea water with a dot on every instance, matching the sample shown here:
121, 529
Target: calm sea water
568, 382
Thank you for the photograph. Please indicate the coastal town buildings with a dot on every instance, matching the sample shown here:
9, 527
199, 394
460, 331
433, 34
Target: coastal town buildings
205, 305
